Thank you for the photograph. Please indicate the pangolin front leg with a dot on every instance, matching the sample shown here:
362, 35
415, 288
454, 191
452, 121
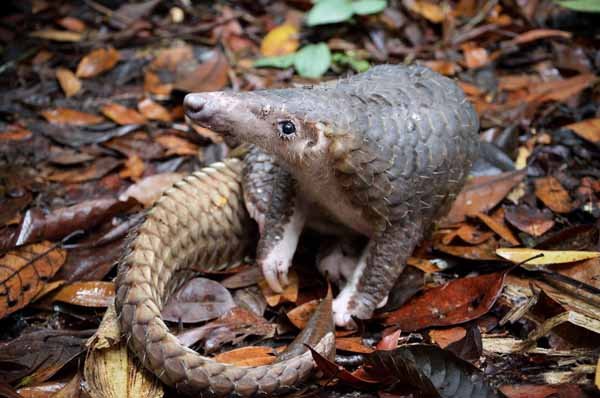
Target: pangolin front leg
382, 261
284, 221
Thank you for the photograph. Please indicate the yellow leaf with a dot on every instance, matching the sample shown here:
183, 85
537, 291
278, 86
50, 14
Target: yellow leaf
544, 257
280, 41
433, 12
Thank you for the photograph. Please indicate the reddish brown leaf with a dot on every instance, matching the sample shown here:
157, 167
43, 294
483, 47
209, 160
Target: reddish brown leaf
555, 197
532, 221
176, 145
352, 344
73, 24
469, 233
475, 57
71, 117
497, 225
97, 62
456, 302
481, 194
41, 390
24, 272
560, 90
153, 111
69, 83
542, 391
98, 169
588, 129
289, 294
483, 251
95, 294
134, 168
389, 341
248, 356
211, 75
122, 115
14, 132
37, 225
300, 315
445, 337
537, 34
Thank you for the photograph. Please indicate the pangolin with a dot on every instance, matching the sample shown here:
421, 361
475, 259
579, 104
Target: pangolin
376, 157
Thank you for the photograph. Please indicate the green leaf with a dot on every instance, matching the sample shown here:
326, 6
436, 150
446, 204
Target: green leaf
359, 65
282, 61
329, 11
313, 60
365, 7
581, 5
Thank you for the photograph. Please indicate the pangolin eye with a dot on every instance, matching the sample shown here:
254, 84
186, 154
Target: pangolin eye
286, 127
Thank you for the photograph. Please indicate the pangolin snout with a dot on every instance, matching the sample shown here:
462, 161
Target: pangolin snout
195, 106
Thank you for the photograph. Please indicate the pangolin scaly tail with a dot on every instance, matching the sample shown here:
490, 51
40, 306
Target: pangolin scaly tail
201, 222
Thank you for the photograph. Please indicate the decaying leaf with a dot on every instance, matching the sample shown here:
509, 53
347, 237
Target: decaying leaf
289, 294
248, 356
153, 111
95, 294
200, 299
97, 62
551, 192
481, 194
300, 315
71, 117
122, 115
532, 221
456, 302
148, 190
211, 75
588, 129
25, 271
36, 356
68, 81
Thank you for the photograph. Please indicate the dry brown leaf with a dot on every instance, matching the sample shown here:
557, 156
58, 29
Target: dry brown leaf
300, 315
98, 169
555, 197
289, 294
475, 57
69, 83
211, 75
544, 257
469, 233
248, 356
25, 271
430, 10
134, 168
149, 189
532, 221
57, 35
176, 145
497, 225
153, 111
71, 117
72, 24
445, 337
559, 90
95, 294
445, 67
97, 62
41, 390
352, 344
481, 194
280, 41
112, 373
14, 132
588, 129
122, 115
538, 34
